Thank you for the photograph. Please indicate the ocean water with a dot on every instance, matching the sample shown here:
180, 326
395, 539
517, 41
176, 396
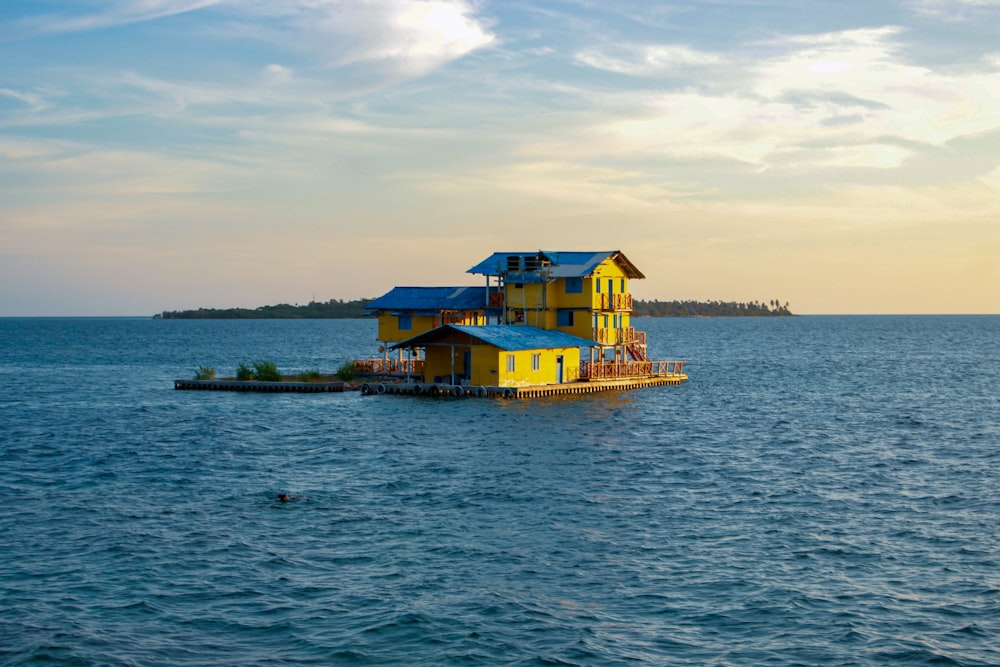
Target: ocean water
823, 491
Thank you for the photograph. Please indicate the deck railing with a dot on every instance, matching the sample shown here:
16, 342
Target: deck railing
615, 302
614, 370
626, 336
378, 366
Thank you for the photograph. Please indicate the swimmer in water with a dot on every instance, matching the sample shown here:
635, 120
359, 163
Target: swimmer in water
283, 497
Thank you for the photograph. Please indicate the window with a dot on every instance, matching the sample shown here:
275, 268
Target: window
564, 318
597, 285
405, 322
574, 286
623, 286
536, 361
510, 363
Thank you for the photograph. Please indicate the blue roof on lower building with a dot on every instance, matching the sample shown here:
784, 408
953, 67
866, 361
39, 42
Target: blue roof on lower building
507, 337
432, 299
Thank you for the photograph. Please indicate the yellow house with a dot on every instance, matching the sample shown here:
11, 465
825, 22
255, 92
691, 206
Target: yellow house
497, 355
585, 294
542, 318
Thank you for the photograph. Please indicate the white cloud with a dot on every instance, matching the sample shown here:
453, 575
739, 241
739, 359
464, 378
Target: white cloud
646, 60
414, 36
33, 100
115, 13
955, 10
409, 36
841, 99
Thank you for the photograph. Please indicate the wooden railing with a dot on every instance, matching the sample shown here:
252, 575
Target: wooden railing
378, 366
615, 302
614, 370
626, 336
496, 299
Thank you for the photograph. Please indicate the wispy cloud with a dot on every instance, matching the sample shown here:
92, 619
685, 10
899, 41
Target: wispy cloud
841, 99
32, 100
956, 10
647, 60
415, 36
109, 14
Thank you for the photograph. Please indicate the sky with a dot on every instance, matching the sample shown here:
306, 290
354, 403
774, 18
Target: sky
842, 156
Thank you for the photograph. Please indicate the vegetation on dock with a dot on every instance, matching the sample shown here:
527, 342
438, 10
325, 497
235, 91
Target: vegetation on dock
340, 309
267, 371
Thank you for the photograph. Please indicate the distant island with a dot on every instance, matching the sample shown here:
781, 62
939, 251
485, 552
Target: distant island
335, 309
773, 308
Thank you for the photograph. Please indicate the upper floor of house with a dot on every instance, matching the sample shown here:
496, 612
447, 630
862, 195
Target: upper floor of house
585, 294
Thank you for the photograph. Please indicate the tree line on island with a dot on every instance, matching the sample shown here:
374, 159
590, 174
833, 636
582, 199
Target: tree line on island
340, 309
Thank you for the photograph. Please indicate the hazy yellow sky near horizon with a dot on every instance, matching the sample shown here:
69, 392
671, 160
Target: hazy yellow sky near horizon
171, 154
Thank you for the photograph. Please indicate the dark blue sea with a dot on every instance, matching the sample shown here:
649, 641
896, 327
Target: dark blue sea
823, 491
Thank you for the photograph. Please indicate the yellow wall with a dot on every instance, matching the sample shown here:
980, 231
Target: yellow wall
489, 365
389, 331
523, 374
524, 303
605, 270
485, 366
438, 362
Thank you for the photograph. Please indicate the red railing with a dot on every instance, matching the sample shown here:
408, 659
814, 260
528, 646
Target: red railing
388, 366
614, 370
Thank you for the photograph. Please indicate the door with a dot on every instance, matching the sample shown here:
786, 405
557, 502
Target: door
467, 364
559, 369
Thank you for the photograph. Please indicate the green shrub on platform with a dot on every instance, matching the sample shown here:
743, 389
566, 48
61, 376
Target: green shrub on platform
310, 376
204, 373
244, 372
346, 371
266, 371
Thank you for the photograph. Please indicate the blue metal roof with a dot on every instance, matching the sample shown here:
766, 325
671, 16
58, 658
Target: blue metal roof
431, 299
507, 337
563, 264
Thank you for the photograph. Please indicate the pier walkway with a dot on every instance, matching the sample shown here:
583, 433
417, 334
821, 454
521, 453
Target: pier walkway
259, 386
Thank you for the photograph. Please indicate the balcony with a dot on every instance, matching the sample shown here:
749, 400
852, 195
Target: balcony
626, 336
616, 302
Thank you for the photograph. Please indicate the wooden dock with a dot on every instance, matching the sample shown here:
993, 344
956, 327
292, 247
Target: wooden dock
532, 391
259, 386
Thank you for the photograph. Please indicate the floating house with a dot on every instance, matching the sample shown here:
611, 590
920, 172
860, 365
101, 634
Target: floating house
541, 320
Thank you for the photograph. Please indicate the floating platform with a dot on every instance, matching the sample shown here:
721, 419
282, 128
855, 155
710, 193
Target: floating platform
260, 386
531, 391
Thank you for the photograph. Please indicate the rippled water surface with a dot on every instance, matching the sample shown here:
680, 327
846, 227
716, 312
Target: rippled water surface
824, 490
